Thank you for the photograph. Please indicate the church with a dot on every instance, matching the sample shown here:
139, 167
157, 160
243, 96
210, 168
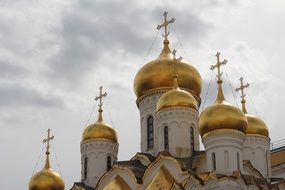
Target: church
236, 155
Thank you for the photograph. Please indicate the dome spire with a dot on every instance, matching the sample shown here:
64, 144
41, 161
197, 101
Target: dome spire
100, 98
243, 94
166, 50
47, 141
220, 96
175, 75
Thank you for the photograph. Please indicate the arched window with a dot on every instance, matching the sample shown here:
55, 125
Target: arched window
150, 132
192, 138
226, 154
166, 140
238, 161
213, 161
85, 167
109, 163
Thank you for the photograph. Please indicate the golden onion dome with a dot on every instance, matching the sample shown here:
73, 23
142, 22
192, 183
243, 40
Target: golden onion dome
157, 75
46, 179
256, 126
99, 130
176, 98
221, 115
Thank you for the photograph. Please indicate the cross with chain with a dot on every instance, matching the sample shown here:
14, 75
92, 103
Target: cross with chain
218, 66
165, 24
241, 88
100, 97
47, 141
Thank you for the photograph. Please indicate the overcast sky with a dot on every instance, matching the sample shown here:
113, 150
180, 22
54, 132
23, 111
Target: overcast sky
55, 54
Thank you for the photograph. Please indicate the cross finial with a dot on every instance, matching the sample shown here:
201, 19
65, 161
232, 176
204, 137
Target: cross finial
100, 98
47, 141
165, 25
243, 94
175, 61
218, 66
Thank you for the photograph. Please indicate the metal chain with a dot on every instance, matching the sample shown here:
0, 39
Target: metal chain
151, 46
56, 160
39, 157
207, 92
109, 115
180, 43
234, 95
91, 113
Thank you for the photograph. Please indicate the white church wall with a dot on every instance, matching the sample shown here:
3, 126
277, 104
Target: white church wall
224, 150
256, 150
179, 122
96, 151
147, 107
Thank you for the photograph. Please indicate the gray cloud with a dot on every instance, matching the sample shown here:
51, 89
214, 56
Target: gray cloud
12, 95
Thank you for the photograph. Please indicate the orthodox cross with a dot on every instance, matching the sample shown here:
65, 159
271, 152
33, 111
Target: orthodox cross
47, 141
175, 61
218, 66
241, 88
165, 24
100, 97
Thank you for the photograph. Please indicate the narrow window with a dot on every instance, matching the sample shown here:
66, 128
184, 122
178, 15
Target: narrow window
192, 138
85, 167
150, 132
238, 161
226, 159
213, 161
166, 141
109, 163
267, 163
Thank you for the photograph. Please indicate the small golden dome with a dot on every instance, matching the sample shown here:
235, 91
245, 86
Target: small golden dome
221, 115
256, 126
176, 98
46, 179
99, 130
157, 75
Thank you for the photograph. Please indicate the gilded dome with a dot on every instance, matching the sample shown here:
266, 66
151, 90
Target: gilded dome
157, 75
46, 179
221, 115
99, 130
256, 126
176, 98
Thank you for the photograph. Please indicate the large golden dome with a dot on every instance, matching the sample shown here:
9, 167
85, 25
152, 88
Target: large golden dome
46, 179
99, 130
157, 75
176, 98
256, 126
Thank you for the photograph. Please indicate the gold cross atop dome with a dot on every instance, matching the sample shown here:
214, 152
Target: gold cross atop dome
243, 94
218, 66
100, 98
165, 24
175, 76
47, 141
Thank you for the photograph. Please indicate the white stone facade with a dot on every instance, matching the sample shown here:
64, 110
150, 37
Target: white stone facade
183, 134
256, 149
224, 150
147, 108
96, 151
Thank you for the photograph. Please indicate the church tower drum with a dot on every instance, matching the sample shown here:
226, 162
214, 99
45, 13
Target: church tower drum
99, 148
153, 80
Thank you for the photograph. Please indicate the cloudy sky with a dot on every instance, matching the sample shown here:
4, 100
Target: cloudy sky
55, 54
